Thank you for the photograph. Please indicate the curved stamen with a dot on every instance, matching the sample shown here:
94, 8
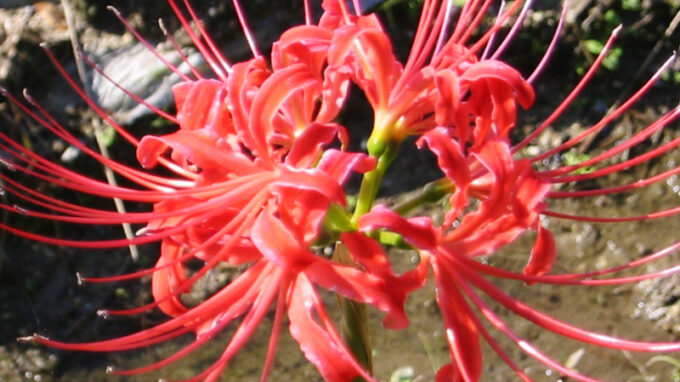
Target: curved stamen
513, 30
610, 116
146, 44
526, 346
585, 278
558, 326
600, 219
178, 49
558, 175
216, 66
130, 94
552, 46
226, 66
573, 94
443, 31
492, 39
251, 215
615, 189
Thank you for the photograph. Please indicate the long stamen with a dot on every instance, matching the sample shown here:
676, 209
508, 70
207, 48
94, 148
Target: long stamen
276, 327
559, 110
609, 117
477, 20
445, 27
214, 63
558, 175
146, 44
246, 29
463, 19
601, 219
225, 65
526, 346
178, 49
492, 39
308, 12
553, 44
243, 286
259, 308
130, 94
514, 30
142, 178
357, 7
563, 328
585, 278
239, 220
255, 206
615, 189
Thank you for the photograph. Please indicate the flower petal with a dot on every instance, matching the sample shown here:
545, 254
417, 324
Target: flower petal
542, 254
417, 231
453, 163
486, 69
165, 281
196, 147
202, 104
319, 345
461, 332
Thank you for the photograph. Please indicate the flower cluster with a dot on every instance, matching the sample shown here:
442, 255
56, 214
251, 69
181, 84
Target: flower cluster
259, 167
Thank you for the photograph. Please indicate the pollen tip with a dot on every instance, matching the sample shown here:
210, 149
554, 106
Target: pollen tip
44, 45
618, 29
80, 51
27, 96
79, 278
103, 314
161, 25
113, 9
110, 369
3, 91
28, 339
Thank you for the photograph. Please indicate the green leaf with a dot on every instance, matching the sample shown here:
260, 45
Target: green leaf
403, 374
593, 46
159, 123
613, 58
573, 158
612, 18
630, 5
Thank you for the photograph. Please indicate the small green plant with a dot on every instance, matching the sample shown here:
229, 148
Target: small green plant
670, 360
573, 158
611, 62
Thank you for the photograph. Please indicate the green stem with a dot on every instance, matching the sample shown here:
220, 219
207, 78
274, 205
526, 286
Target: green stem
430, 193
354, 319
338, 219
372, 179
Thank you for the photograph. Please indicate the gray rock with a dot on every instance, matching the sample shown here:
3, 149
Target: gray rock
136, 69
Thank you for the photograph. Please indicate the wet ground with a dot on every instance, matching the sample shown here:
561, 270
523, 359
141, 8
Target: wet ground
39, 290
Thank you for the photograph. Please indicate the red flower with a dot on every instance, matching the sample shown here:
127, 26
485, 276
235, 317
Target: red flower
255, 182
255, 177
474, 111
429, 89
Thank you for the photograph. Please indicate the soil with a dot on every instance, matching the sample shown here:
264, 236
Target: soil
39, 291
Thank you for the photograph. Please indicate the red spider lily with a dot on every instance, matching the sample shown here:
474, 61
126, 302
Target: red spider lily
255, 178
474, 114
257, 183
429, 89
